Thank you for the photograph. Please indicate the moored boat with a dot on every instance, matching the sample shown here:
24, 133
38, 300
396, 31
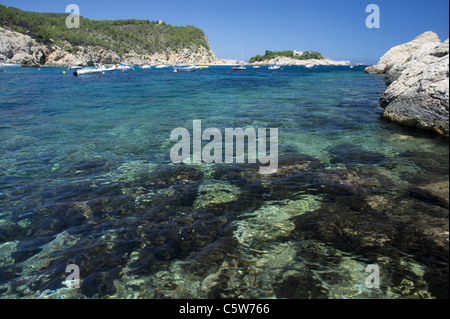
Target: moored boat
123, 67
9, 65
185, 68
100, 69
241, 67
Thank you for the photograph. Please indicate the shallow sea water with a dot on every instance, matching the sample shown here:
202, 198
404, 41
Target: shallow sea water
86, 179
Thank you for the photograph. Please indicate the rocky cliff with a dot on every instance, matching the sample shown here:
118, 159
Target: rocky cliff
418, 77
22, 48
400, 53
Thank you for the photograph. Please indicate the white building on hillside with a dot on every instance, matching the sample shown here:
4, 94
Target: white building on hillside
298, 53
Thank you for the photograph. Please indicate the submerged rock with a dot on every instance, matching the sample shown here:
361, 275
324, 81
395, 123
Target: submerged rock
435, 193
355, 183
418, 167
354, 154
216, 193
295, 174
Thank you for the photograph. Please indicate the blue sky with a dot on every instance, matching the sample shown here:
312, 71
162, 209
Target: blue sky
336, 28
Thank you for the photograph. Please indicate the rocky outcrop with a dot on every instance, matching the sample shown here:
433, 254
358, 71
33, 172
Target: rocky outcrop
418, 91
25, 50
419, 94
400, 54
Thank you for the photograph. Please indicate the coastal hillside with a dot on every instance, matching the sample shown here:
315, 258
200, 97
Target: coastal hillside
44, 39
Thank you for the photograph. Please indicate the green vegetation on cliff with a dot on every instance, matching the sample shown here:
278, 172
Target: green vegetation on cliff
289, 54
122, 36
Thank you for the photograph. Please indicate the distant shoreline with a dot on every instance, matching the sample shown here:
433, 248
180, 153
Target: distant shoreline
206, 64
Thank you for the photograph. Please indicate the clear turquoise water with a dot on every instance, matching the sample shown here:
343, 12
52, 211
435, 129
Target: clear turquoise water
86, 178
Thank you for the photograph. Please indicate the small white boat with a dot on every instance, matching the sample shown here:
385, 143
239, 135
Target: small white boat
309, 66
123, 67
256, 66
185, 68
274, 67
75, 67
143, 67
9, 65
161, 66
100, 69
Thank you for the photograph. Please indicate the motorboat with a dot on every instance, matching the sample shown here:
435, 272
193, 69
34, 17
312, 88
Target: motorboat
309, 66
99, 69
143, 67
185, 68
9, 65
161, 66
274, 67
75, 67
123, 67
256, 66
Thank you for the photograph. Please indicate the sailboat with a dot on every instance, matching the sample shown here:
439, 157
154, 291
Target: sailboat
241, 67
4, 63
